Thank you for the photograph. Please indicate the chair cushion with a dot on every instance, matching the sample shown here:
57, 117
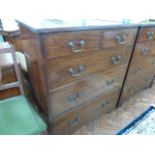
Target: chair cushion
17, 117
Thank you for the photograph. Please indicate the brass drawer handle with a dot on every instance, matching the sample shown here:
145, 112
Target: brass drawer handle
138, 71
145, 51
131, 89
150, 35
74, 97
76, 72
110, 82
153, 63
104, 104
116, 59
147, 78
74, 122
73, 46
121, 38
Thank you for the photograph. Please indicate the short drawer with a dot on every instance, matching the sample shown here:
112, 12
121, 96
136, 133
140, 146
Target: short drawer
144, 50
65, 70
146, 34
76, 94
117, 37
69, 122
71, 43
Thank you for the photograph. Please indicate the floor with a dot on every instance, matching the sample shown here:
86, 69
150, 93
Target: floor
111, 123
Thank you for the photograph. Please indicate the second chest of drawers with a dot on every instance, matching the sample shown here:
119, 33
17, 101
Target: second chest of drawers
142, 67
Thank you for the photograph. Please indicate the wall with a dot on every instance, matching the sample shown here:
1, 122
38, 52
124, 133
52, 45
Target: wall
111, 9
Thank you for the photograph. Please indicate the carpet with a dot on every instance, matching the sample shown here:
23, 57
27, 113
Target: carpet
142, 125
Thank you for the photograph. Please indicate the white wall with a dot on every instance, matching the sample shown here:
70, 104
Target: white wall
105, 9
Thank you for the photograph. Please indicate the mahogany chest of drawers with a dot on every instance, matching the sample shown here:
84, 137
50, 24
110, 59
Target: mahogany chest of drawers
142, 67
77, 72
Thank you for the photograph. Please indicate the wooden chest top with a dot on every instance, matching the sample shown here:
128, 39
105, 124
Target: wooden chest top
56, 25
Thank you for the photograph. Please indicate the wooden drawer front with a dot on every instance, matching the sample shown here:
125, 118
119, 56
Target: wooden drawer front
140, 66
119, 37
147, 34
71, 96
70, 121
144, 50
134, 84
71, 43
130, 89
62, 70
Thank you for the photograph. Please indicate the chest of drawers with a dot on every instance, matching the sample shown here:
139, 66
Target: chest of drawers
76, 72
142, 67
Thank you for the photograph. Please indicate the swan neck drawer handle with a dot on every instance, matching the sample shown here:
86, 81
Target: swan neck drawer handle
145, 51
132, 89
74, 122
138, 71
116, 59
150, 35
76, 71
121, 38
147, 78
74, 48
74, 97
153, 63
110, 82
105, 103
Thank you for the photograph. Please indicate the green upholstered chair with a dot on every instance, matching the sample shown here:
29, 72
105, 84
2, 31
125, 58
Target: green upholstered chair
17, 115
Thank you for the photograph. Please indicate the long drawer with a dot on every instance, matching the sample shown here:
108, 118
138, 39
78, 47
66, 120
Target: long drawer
69, 122
78, 93
144, 50
86, 42
72, 43
66, 70
139, 66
